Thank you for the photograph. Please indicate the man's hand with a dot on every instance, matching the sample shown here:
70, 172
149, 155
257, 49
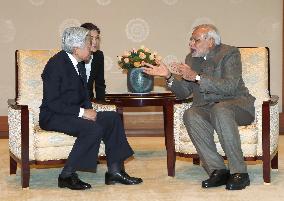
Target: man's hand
186, 71
90, 114
159, 70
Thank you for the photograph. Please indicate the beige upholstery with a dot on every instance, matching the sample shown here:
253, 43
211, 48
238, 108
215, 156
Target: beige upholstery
42, 145
255, 75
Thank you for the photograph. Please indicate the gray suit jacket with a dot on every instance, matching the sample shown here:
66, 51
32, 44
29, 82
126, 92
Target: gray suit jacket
221, 79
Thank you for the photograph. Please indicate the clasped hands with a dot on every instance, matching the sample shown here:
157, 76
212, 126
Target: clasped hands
162, 70
90, 114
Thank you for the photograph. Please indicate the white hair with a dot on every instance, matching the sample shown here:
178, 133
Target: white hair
212, 32
73, 37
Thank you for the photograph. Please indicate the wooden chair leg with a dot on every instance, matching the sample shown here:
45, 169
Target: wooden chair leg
168, 110
266, 170
13, 166
196, 161
266, 142
274, 162
171, 163
25, 175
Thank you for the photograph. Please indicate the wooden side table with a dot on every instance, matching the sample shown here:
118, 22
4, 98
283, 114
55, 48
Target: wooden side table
166, 100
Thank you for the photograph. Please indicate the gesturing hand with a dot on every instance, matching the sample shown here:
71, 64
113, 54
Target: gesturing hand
159, 70
186, 71
90, 114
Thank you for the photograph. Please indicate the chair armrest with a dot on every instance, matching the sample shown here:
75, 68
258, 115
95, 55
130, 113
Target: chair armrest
103, 106
19, 129
13, 104
270, 125
179, 101
273, 100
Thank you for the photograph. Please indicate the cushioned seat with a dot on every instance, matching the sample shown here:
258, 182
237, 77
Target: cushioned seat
28, 143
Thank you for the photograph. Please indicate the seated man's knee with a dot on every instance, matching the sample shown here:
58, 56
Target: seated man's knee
221, 109
191, 115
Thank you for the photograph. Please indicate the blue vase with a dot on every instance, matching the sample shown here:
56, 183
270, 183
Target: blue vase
138, 81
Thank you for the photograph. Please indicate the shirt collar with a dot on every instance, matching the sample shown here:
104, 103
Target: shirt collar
73, 60
90, 60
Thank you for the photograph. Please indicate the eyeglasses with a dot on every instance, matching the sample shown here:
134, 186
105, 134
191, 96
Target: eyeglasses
196, 40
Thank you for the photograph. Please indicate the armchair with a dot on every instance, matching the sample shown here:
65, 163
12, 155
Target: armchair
259, 141
28, 143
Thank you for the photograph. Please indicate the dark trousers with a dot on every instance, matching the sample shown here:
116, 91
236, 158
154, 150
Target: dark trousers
84, 154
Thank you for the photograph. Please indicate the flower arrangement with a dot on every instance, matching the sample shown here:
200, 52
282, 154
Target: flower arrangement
137, 58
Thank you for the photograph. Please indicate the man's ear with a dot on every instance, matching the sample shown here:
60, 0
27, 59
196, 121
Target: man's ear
74, 51
211, 42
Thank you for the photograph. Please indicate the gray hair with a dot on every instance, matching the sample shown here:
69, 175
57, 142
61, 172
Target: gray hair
73, 37
212, 32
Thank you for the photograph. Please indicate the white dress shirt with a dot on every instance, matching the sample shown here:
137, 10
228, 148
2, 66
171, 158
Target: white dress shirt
75, 62
88, 67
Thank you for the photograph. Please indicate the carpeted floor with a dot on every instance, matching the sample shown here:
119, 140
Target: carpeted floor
150, 164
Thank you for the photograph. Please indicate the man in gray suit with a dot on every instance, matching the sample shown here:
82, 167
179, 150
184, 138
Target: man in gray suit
212, 73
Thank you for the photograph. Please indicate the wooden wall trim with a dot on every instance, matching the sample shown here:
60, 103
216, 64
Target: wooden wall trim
3, 127
3, 124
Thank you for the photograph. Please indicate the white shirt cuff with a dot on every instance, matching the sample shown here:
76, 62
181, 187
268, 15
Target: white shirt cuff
81, 112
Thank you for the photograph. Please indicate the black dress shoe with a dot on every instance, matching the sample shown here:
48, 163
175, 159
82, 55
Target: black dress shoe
238, 181
121, 177
73, 182
217, 178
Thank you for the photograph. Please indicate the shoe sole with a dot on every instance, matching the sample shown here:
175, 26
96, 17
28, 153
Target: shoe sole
209, 186
116, 182
64, 186
110, 183
238, 188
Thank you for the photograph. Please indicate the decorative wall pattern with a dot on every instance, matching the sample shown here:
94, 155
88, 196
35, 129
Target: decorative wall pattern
161, 25
137, 30
7, 31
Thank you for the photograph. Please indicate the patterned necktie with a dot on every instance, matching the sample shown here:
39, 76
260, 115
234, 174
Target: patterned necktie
82, 72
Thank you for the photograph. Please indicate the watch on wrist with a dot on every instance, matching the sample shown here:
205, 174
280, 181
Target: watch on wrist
171, 75
197, 78
170, 80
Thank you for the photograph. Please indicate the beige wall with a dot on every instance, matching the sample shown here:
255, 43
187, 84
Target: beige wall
162, 25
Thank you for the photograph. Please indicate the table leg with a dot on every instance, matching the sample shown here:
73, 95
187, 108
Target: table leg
120, 112
169, 137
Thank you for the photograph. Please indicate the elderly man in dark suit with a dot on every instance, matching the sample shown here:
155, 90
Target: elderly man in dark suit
213, 74
66, 108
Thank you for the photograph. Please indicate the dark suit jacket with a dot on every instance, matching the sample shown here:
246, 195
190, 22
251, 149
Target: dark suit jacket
221, 79
63, 89
97, 76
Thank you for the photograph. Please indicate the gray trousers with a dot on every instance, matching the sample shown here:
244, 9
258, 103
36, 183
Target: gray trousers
224, 117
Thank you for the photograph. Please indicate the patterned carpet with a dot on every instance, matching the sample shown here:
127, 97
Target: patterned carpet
150, 164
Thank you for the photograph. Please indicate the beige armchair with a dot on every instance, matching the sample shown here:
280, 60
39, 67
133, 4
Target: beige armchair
28, 143
259, 140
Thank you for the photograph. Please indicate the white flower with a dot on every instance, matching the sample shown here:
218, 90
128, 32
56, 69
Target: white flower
142, 55
126, 60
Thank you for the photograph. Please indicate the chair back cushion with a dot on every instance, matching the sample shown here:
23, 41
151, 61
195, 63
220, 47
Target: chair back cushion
255, 61
29, 67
